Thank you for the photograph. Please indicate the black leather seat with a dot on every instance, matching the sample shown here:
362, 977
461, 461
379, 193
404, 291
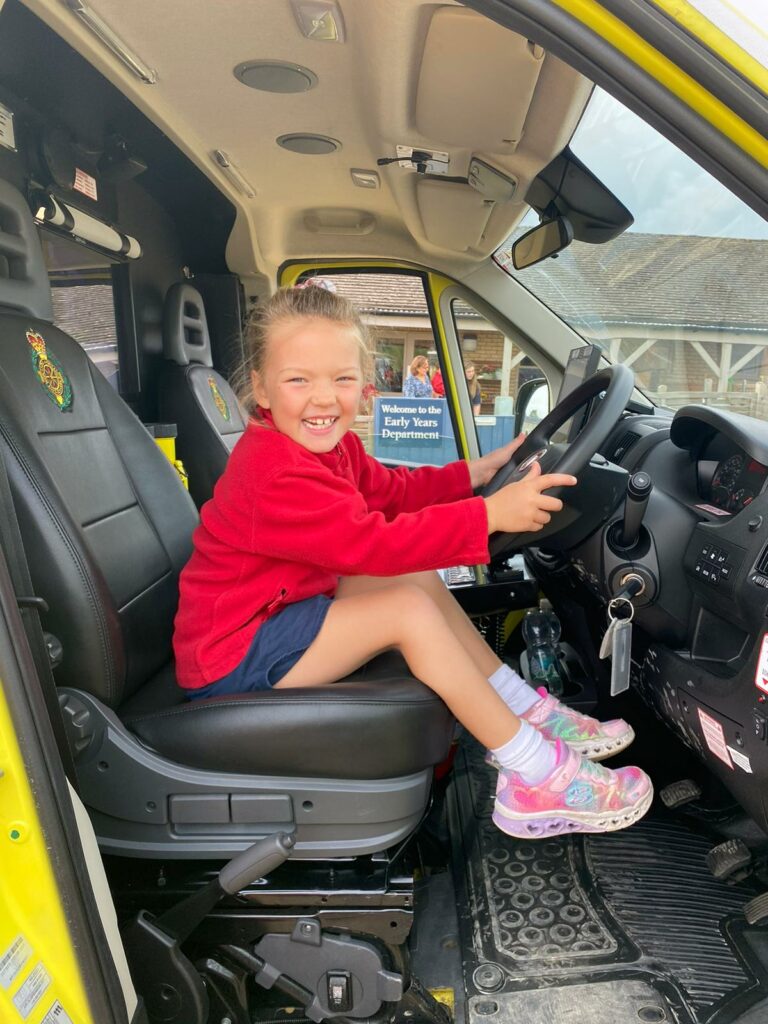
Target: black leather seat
193, 395
107, 528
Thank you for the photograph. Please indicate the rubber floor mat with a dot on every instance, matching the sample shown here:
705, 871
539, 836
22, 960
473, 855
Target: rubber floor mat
593, 910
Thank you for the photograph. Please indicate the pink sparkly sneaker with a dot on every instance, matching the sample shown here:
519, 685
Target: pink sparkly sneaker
578, 796
588, 737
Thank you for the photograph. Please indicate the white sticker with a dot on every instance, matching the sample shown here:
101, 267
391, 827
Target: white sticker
14, 958
761, 673
31, 992
714, 737
7, 134
740, 760
86, 184
713, 510
56, 1015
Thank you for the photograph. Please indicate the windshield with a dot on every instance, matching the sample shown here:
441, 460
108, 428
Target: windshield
682, 296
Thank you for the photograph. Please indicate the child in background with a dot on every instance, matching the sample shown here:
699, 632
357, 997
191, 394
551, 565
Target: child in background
312, 557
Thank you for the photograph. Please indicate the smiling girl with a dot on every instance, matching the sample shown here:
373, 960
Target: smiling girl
304, 568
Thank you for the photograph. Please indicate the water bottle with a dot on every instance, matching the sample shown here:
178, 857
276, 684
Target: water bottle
541, 632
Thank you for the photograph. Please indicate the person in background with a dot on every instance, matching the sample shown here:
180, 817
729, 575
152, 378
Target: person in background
438, 387
473, 386
418, 385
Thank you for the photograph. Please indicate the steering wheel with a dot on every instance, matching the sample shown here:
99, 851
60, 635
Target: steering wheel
618, 383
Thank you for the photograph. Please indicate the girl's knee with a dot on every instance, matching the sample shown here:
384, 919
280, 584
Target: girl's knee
413, 603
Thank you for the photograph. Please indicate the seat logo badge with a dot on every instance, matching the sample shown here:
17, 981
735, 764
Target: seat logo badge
219, 402
50, 374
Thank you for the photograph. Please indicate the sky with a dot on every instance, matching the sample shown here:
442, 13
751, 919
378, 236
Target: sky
666, 191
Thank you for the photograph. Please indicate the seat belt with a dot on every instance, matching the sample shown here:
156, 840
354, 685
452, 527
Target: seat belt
30, 608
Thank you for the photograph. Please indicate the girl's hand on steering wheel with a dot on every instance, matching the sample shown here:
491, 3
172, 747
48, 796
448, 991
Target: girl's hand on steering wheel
521, 507
484, 469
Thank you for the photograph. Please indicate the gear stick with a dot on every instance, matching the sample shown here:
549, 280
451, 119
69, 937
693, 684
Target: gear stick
639, 490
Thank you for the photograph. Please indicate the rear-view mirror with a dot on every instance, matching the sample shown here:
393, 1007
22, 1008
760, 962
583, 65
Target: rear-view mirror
546, 239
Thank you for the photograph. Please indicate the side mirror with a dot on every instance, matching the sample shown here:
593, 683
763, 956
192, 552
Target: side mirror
531, 404
546, 239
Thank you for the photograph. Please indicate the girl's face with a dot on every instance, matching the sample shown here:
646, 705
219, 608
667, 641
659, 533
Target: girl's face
470, 372
311, 381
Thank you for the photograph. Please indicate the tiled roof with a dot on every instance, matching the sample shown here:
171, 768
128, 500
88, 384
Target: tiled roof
637, 279
658, 280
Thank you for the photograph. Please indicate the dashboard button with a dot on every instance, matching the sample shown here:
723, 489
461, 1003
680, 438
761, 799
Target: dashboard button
713, 554
705, 551
725, 571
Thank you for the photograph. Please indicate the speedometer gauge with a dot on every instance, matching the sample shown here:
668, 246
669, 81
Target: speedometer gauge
724, 481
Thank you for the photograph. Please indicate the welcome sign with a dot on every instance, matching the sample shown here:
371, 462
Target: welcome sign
408, 421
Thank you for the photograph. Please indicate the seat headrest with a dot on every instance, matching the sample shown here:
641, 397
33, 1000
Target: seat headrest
24, 284
185, 327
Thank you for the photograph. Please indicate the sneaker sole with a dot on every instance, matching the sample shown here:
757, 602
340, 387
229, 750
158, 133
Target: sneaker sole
599, 750
594, 751
542, 826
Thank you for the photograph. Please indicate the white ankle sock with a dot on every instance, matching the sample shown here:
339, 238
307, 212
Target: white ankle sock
528, 754
513, 690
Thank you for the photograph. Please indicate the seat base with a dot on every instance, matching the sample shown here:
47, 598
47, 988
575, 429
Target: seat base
145, 805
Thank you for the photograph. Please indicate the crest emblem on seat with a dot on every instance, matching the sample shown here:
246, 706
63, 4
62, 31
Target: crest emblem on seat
218, 399
50, 373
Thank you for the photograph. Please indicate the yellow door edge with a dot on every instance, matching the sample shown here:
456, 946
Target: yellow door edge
39, 973
699, 26
664, 71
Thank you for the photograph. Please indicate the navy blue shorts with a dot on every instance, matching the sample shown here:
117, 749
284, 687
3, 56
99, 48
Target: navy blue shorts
275, 649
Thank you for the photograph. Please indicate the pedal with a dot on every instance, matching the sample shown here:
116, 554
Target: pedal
677, 794
729, 859
757, 909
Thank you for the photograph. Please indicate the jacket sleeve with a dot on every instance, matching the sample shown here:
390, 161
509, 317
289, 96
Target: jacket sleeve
307, 514
407, 490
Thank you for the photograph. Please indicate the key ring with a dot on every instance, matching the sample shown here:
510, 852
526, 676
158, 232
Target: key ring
620, 600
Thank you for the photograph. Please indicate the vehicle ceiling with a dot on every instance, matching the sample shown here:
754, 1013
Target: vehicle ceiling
438, 77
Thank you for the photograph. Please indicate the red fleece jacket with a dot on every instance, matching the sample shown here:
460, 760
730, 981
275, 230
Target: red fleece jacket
284, 524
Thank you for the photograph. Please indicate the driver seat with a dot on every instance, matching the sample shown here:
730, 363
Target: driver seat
107, 528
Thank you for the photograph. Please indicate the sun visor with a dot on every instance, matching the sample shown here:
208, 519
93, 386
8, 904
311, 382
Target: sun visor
454, 215
476, 82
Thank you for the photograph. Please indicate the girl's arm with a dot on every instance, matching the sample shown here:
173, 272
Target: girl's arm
307, 514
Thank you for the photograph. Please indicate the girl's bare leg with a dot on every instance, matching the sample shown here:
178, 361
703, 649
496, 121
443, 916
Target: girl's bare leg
404, 616
432, 584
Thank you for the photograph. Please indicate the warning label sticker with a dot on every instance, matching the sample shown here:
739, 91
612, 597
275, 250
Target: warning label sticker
761, 673
714, 737
56, 1015
31, 992
86, 184
7, 134
13, 959
740, 760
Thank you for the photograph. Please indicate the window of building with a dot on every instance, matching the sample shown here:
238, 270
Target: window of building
495, 368
83, 301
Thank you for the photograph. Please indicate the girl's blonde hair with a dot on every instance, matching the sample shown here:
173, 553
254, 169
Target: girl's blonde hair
306, 302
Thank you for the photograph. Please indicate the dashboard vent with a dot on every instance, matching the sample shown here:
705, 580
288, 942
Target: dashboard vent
762, 562
625, 442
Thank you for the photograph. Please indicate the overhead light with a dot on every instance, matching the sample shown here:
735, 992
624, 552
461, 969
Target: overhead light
275, 76
364, 179
309, 143
320, 20
112, 41
231, 172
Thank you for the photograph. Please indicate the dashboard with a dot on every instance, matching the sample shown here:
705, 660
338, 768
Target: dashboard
700, 644
729, 478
